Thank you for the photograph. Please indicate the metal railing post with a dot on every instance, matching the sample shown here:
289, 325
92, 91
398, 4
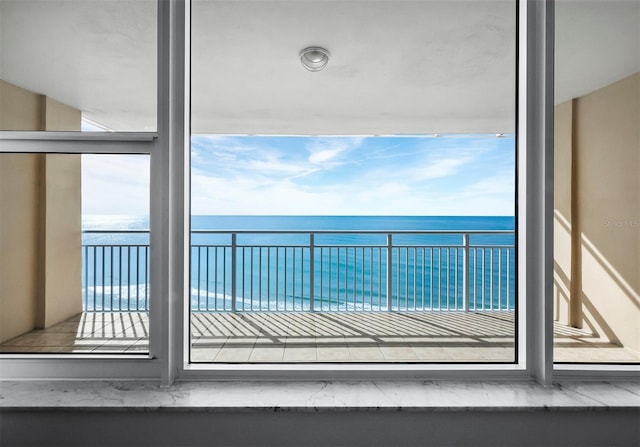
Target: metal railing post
312, 276
465, 273
389, 271
233, 272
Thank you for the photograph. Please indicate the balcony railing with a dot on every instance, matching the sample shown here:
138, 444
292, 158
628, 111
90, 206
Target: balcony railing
332, 271
115, 271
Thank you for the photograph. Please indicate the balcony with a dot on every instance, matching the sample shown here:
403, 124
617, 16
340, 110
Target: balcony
314, 296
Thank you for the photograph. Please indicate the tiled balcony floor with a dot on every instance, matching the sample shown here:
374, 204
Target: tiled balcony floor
352, 337
320, 337
573, 345
90, 332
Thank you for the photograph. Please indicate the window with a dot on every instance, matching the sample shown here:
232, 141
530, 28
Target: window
308, 247
71, 292
248, 108
596, 228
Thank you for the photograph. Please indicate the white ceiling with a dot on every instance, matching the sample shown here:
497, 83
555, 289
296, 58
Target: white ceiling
395, 67
95, 55
415, 66
597, 43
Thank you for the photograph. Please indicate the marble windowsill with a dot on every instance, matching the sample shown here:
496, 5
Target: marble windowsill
319, 396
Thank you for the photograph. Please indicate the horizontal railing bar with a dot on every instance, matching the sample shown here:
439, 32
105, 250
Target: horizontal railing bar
116, 245
351, 246
427, 246
439, 232
403, 247
317, 246
113, 231
251, 246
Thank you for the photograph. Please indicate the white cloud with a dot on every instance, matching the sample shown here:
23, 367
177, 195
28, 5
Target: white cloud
229, 177
325, 155
242, 196
274, 167
497, 184
444, 167
327, 151
212, 195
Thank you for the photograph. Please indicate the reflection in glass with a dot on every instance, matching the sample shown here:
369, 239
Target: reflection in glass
597, 191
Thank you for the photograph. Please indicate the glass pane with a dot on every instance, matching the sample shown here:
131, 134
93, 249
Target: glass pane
74, 253
597, 191
62, 60
363, 212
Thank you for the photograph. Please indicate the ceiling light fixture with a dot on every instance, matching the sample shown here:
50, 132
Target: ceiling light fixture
314, 58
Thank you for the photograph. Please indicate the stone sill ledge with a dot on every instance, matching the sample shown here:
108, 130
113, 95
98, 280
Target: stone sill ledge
365, 396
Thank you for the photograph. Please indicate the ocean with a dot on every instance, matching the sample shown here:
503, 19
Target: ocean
277, 270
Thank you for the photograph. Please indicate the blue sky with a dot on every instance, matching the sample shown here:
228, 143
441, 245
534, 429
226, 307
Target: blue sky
115, 184
445, 175
425, 175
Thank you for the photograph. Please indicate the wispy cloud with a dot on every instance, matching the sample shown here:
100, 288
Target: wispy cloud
325, 152
323, 175
410, 176
444, 167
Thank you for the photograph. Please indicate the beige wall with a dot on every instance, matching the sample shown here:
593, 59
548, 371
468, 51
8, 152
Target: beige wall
598, 162
563, 145
59, 116
61, 231
18, 243
40, 223
20, 109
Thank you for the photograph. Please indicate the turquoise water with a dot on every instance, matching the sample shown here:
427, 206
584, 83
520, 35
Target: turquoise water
349, 271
